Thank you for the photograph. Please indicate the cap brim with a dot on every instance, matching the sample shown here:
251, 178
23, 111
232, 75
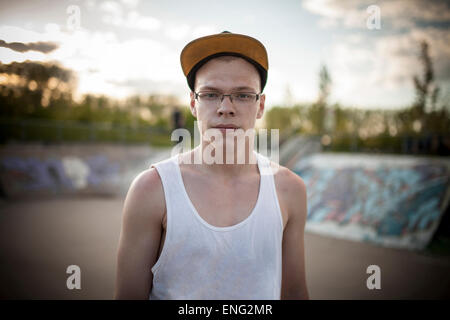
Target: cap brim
201, 48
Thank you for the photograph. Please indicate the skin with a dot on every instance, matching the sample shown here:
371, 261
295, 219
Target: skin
210, 188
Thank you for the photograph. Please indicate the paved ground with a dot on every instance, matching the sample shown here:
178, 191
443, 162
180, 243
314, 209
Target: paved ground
40, 238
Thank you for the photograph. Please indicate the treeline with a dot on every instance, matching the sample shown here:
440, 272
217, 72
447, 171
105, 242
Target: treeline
407, 130
33, 90
421, 128
42, 94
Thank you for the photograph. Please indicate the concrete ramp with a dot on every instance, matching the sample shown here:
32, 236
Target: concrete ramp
297, 148
393, 201
90, 169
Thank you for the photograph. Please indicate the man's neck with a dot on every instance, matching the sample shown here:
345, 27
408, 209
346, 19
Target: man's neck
225, 165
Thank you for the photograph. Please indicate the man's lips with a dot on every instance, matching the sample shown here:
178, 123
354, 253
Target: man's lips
224, 130
223, 126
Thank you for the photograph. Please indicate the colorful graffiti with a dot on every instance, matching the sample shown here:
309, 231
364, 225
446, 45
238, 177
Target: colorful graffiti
27, 175
392, 201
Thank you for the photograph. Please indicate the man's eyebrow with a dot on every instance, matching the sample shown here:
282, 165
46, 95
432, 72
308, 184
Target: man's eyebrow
244, 88
232, 89
208, 88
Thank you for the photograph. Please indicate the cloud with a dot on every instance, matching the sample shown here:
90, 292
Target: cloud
385, 65
203, 30
177, 32
183, 32
130, 3
350, 13
44, 47
393, 59
401, 12
395, 13
115, 14
149, 86
374, 63
439, 48
116, 63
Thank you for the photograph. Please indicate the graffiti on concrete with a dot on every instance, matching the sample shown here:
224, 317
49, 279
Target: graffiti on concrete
76, 170
395, 204
68, 173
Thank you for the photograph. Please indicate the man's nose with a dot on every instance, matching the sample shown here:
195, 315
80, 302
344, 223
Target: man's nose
226, 106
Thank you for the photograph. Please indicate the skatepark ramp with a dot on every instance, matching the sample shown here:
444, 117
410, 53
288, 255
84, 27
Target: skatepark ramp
297, 148
390, 200
90, 169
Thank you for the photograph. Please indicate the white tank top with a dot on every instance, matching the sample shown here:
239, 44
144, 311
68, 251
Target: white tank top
204, 262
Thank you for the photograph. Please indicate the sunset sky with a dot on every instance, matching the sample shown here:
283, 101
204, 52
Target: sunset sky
126, 47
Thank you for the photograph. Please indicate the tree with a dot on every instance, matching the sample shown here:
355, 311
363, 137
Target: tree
426, 89
324, 85
321, 118
34, 88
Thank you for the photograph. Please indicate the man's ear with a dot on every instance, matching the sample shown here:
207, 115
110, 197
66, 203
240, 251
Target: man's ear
262, 101
192, 105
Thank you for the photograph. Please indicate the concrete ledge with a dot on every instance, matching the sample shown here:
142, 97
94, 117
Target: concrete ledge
37, 170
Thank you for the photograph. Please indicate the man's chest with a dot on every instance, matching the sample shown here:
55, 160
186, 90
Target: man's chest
222, 203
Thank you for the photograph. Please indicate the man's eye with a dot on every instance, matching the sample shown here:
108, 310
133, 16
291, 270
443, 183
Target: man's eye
210, 95
243, 96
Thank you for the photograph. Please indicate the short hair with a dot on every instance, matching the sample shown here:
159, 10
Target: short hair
225, 57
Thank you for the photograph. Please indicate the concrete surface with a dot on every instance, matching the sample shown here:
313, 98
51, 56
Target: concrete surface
73, 169
39, 239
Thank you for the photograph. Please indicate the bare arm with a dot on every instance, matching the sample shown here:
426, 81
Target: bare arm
294, 284
140, 236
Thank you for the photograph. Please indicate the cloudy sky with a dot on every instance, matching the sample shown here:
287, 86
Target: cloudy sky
124, 47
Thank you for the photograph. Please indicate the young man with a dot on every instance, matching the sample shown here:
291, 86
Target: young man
222, 229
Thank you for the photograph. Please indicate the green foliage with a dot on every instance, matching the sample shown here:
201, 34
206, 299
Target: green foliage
361, 130
279, 118
189, 120
36, 103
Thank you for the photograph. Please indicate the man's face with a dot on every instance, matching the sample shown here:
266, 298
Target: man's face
227, 75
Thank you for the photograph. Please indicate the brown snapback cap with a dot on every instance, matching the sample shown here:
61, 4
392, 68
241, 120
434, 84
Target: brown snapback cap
199, 51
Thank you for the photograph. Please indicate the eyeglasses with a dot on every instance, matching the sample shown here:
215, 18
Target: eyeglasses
237, 98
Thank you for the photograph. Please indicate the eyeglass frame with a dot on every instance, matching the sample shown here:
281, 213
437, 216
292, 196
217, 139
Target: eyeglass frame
257, 95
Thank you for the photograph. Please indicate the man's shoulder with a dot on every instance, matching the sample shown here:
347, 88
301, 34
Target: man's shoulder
146, 193
147, 180
286, 179
291, 189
